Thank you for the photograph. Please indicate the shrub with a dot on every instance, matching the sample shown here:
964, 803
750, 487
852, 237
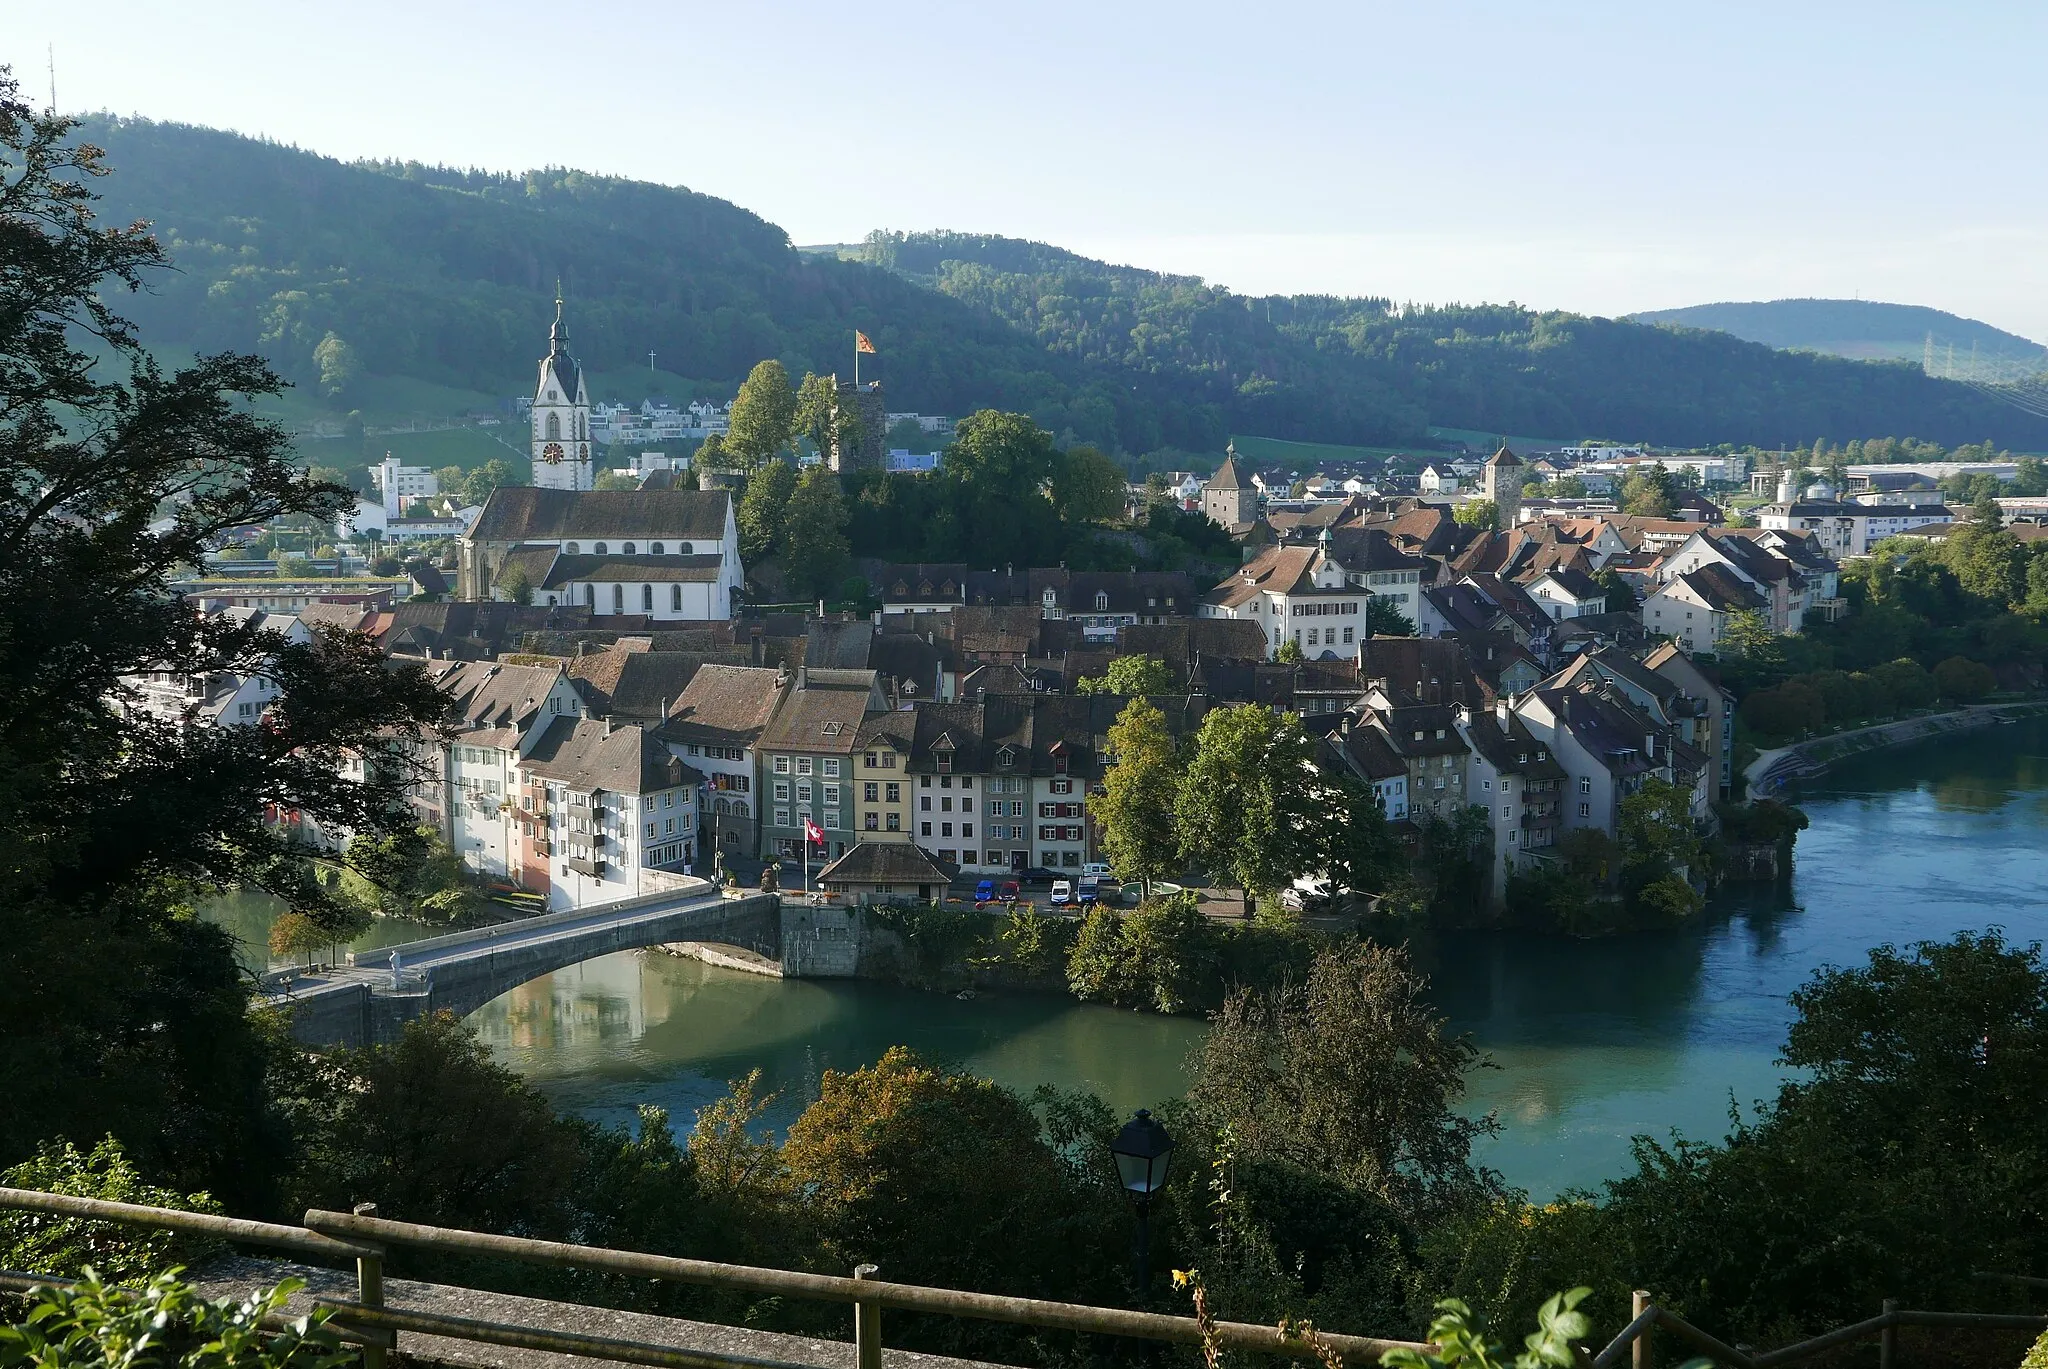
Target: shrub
166, 1324
68, 1246
1964, 681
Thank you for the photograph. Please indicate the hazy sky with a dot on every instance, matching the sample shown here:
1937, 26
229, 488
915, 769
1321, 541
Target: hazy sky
1591, 156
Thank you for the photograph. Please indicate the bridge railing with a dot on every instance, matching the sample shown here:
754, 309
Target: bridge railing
380, 958
366, 1320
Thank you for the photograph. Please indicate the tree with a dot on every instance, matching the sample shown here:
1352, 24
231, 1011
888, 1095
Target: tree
1134, 813
294, 934
518, 585
409, 874
763, 416
1353, 845
763, 509
1130, 676
339, 367
1288, 653
1244, 808
1383, 618
1621, 596
1087, 487
1567, 487
1164, 956
817, 403
1477, 513
448, 479
1350, 1074
492, 475
1006, 455
170, 1324
1747, 635
113, 474
1649, 493
814, 550
1964, 681
885, 1150
614, 480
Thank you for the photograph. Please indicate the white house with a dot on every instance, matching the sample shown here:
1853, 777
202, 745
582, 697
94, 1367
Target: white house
497, 714
1438, 480
1566, 593
1297, 594
1693, 609
1850, 529
716, 726
396, 484
219, 698
600, 807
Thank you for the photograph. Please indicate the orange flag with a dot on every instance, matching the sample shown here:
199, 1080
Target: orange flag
861, 343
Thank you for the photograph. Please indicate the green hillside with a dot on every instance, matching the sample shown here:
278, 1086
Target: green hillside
1862, 329
399, 288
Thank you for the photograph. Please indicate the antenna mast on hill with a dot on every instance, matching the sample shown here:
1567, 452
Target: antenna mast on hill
52, 52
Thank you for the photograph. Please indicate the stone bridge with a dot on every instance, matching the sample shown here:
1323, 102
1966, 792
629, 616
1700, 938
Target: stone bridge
369, 1001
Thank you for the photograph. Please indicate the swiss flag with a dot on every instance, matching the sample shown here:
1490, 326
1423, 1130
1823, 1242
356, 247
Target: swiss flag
813, 833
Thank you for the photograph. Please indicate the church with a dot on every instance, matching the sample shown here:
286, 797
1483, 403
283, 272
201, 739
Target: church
562, 458
649, 555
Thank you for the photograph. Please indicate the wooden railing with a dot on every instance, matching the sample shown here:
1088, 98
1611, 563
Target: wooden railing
365, 1238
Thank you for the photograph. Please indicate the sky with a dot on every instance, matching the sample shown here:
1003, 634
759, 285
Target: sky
1589, 156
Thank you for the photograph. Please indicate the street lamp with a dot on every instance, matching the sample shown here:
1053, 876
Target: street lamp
1142, 1150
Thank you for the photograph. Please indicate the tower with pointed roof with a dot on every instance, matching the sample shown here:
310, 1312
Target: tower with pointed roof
1228, 498
562, 455
1504, 487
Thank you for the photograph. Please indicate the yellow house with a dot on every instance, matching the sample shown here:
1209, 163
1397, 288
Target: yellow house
881, 784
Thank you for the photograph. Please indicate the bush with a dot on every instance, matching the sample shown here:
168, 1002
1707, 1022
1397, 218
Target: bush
167, 1324
1964, 681
68, 1246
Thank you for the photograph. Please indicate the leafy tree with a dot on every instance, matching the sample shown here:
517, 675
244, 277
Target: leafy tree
1649, 492
339, 366
410, 874
1087, 487
1461, 1341
1566, 487
1964, 681
1456, 855
1348, 1073
1477, 513
1353, 844
1748, 636
113, 474
1621, 596
1130, 676
1004, 454
1288, 653
812, 418
763, 509
1383, 618
295, 934
1243, 808
494, 474
763, 416
448, 479
615, 480
814, 549
518, 585
1134, 813
1163, 955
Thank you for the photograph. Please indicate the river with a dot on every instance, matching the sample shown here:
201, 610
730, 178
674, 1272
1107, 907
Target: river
1594, 1041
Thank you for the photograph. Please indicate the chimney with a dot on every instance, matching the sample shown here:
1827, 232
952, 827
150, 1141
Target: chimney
1501, 710
803, 677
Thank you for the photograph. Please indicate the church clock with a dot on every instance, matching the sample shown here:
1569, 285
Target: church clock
552, 453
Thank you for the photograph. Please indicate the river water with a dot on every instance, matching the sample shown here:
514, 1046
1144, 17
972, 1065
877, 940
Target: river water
1594, 1041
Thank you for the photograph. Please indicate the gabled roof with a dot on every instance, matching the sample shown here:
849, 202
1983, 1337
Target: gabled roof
726, 705
585, 754
659, 570
520, 513
1576, 583
1276, 570
492, 704
1720, 590
822, 711
1227, 476
887, 862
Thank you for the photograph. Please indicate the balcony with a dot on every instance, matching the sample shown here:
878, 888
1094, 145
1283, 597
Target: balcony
594, 868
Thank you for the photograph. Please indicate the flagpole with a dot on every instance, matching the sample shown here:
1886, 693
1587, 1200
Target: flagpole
856, 358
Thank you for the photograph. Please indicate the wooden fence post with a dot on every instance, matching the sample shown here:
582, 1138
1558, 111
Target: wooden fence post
1641, 1356
370, 1288
867, 1324
1888, 1339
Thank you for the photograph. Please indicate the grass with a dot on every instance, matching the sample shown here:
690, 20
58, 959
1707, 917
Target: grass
464, 447
1489, 442
1306, 456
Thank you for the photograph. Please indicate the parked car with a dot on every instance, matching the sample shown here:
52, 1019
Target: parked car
1011, 890
1095, 869
1062, 893
985, 891
1038, 874
1089, 893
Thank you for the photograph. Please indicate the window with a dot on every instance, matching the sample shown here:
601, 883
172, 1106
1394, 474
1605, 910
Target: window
1585, 810
803, 791
871, 821
1348, 638
1062, 786
618, 598
924, 829
966, 829
655, 549
683, 550
1585, 784
888, 760
668, 800
893, 792
628, 548
572, 548
782, 765
1507, 810
650, 831
945, 829
675, 598
803, 765
671, 826
967, 805
870, 791
924, 803
831, 794
599, 549
924, 781
832, 766
554, 427
782, 817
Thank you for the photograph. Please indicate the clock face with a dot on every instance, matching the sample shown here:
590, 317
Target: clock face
552, 453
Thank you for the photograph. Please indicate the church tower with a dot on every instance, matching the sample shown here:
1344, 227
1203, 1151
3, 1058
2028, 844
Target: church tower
562, 457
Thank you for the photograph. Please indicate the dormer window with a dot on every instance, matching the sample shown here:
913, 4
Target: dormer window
1101, 600
599, 549
628, 549
1050, 597
683, 549
655, 549
833, 728
574, 549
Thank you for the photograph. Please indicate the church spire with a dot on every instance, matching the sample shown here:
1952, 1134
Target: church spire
558, 336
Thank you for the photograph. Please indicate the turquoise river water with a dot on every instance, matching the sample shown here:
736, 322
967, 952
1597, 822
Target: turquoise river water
1594, 1041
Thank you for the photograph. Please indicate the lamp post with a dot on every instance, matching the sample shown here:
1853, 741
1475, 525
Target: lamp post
1142, 1150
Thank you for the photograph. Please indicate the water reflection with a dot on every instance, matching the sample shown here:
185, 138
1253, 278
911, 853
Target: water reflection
1596, 1041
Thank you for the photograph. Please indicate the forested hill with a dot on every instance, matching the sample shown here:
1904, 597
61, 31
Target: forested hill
448, 276
1855, 328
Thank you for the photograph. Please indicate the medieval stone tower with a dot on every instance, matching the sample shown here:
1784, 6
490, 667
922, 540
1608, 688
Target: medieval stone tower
1504, 487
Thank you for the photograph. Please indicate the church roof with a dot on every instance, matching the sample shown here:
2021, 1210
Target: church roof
558, 364
519, 513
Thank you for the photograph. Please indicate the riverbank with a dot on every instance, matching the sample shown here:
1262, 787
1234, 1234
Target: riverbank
1772, 770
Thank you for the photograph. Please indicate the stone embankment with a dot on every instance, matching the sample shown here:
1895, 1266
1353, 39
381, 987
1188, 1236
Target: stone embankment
1772, 770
